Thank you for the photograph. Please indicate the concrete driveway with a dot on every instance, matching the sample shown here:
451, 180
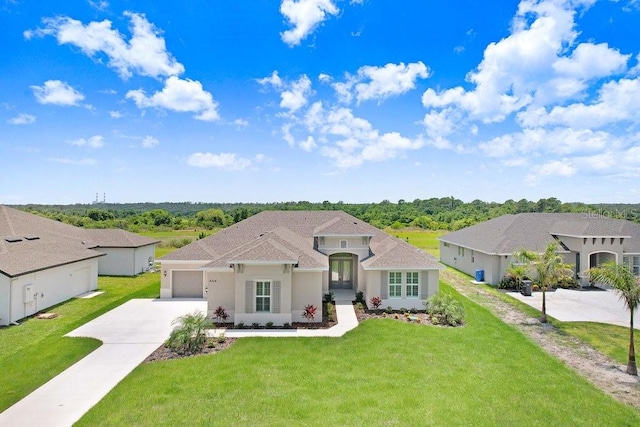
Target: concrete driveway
603, 306
129, 334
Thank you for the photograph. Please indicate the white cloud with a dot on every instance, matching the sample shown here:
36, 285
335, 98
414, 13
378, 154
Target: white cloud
305, 16
295, 97
96, 141
179, 95
115, 114
308, 144
149, 141
57, 92
392, 79
144, 53
225, 161
241, 122
100, 5
273, 80
22, 119
76, 162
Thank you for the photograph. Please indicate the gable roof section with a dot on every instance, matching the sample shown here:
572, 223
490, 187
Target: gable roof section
116, 238
534, 231
293, 232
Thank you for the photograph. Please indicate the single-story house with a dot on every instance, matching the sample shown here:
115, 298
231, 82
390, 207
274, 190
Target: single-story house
44, 262
584, 239
268, 267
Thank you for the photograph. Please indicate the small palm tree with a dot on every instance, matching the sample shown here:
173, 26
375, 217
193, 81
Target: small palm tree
627, 285
518, 272
548, 267
190, 334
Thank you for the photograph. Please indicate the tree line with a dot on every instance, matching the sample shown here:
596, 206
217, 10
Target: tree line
446, 213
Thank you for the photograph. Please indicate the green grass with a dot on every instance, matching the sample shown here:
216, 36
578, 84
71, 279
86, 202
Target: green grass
611, 340
424, 239
36, 351
166, 236
382, 373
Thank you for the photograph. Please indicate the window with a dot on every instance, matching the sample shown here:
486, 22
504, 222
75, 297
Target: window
413, 284
635, 265
460, 251
343, 244
263, 296
395, 284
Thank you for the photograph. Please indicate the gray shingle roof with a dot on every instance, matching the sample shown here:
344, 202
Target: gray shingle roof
295, 231
45, 243
510, 233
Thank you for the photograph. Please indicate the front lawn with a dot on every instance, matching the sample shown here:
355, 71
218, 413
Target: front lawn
426, 240
36, 350
382, 373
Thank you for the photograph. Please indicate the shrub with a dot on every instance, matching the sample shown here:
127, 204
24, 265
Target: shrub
328, 297
268, 325
445, 310
389, 310
221, 339
286, 325
331, 312
220, 314
309, 312
375, 302
567, 282
190, 334
178, 243
241, 325
255, 325
360, 297
359, 306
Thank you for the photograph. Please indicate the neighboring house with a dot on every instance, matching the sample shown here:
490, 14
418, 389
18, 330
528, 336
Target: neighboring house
45, 262
585, 240
268, 267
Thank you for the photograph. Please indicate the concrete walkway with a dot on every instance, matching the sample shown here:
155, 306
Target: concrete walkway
129, 333
568, 305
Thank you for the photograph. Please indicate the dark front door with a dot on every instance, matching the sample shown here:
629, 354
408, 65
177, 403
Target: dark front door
341, 273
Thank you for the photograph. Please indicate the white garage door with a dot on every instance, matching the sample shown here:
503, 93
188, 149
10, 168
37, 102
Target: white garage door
186, 284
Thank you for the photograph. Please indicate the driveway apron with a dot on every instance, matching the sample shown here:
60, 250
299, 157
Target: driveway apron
129, 333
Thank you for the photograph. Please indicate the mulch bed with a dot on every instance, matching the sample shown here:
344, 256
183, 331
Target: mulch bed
212, 347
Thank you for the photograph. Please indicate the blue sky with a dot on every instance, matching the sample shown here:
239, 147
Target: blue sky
359, 101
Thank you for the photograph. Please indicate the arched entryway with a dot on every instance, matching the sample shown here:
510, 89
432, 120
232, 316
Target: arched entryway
598, 258
342, 271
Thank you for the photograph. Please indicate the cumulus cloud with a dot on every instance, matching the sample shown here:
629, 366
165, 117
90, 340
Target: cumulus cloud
115, 114
57, 92
149, 142
372, 82
181, 96
293, 94
224, 161
22, 119
304, 16
145, 52
96, 141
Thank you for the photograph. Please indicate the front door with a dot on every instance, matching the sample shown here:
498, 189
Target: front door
341, 273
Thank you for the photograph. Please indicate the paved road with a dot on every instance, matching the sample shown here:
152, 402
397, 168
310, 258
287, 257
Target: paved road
581, 306
129, 334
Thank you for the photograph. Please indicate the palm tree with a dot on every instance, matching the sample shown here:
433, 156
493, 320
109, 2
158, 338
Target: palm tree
548, 267
627, 285
518, 272
190, 334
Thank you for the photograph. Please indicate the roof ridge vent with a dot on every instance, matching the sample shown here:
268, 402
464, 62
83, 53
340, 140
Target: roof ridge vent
13, 239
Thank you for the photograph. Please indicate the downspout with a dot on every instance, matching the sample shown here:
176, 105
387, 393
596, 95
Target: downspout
10, 300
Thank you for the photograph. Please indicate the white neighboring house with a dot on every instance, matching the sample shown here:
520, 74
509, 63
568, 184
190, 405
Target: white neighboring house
584, 239
45, 262
268, 267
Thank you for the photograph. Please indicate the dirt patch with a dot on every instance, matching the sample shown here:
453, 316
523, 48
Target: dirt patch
165, 353
602, 371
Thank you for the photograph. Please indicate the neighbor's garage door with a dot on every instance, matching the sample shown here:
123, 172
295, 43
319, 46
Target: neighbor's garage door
187, 284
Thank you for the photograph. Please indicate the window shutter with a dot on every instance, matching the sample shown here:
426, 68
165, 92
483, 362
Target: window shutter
248, 296
275, 297
424, 284
384, 285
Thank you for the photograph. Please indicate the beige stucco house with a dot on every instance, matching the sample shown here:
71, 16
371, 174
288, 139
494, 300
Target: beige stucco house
268, 267
585, 240
45, 262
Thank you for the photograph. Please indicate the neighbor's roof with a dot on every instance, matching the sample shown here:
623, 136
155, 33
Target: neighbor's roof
534, 231
116, 238
30, 243
270, 236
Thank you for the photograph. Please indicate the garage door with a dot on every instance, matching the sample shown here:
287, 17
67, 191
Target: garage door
187, 284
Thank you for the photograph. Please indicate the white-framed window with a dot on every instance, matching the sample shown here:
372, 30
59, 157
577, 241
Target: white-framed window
460, 251
343, 244
395, 284
413, 284
263, 296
